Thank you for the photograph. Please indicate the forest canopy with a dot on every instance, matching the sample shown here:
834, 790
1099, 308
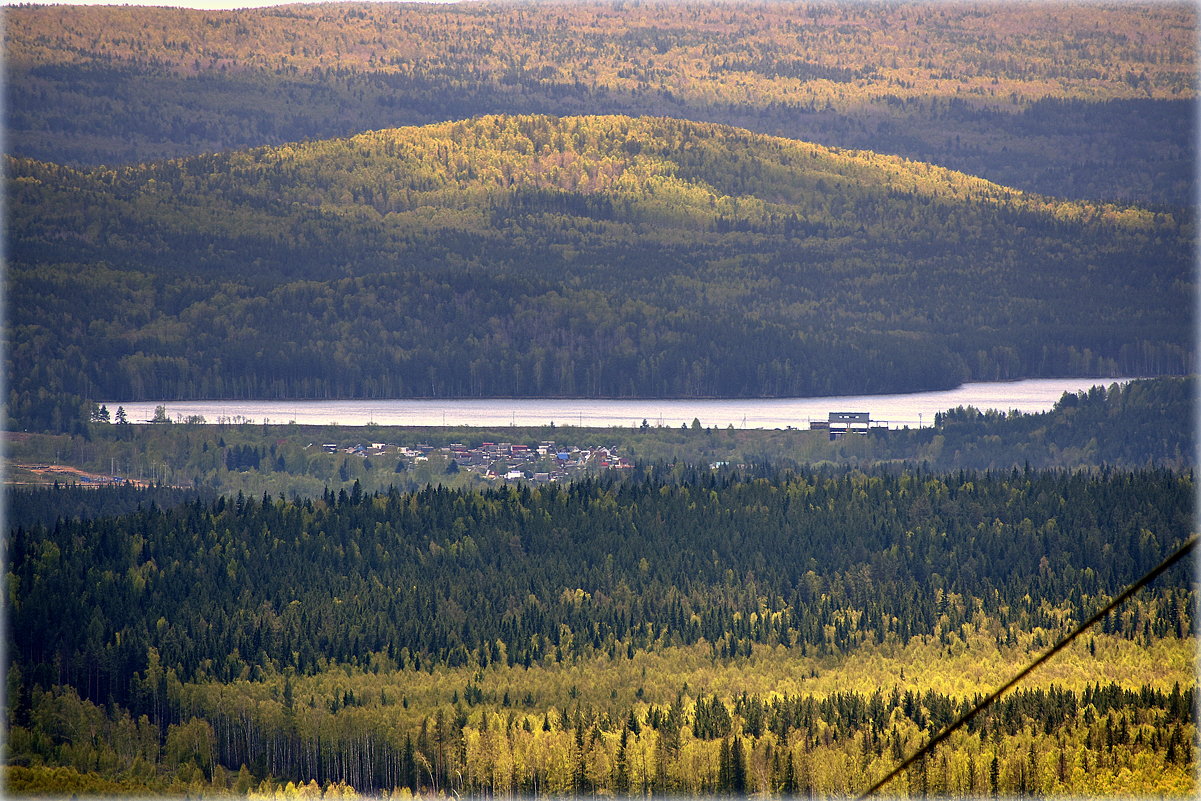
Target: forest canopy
597, 199
1082, 100
533, 639
597, 256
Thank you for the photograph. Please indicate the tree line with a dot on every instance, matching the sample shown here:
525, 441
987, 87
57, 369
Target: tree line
823, 562
1054, 111
1136, 424
1038, 741
777, 269
468, 640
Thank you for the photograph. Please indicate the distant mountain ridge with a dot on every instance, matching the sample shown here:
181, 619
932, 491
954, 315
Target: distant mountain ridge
598, 256
1080, 100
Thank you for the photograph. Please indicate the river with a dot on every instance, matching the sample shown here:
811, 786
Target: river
912, 409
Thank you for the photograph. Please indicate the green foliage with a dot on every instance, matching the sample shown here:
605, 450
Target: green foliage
27, 506
1136, 737
67, 782
230, 588
679, 630
1138, 423
1085, 102
464, 641
536, 256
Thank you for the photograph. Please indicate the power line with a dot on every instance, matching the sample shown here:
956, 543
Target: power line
1176, 556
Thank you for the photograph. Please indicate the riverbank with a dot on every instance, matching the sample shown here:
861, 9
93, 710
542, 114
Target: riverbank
1134, 424
912, 410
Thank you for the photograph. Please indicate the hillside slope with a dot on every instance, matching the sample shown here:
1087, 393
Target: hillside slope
1079, 100
600, 256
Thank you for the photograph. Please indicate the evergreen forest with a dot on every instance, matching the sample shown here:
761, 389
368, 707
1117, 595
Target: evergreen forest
591, 199
597, 199
671, 631
591, 256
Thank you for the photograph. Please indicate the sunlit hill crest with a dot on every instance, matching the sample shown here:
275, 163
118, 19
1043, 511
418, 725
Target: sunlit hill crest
661, 168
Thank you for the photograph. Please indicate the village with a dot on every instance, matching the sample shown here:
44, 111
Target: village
499, 461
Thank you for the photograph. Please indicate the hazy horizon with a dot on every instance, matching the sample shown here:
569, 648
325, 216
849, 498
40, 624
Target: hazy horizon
216, 5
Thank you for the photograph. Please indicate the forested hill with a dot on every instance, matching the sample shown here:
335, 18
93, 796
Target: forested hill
1082, 100
598, 256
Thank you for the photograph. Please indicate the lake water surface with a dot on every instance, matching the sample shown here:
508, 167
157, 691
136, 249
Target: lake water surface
913, 409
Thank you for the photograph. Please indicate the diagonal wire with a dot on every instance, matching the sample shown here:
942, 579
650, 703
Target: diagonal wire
1176, 556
